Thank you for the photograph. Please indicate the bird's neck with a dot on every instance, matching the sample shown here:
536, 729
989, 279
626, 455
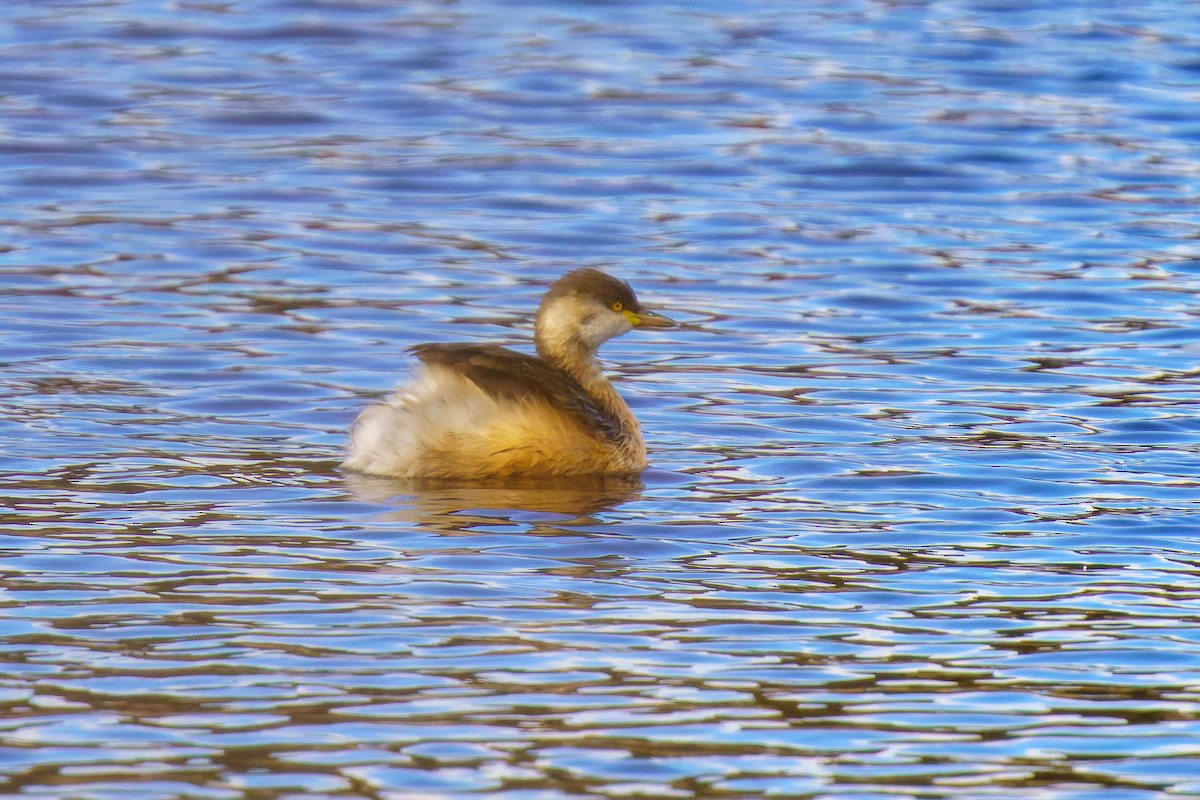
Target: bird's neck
579, 361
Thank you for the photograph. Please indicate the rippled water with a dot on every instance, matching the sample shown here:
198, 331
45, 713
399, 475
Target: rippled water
921, 520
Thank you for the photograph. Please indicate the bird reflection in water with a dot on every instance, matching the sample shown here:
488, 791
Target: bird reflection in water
454, 507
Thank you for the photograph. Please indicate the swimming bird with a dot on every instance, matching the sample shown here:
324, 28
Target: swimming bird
476, 412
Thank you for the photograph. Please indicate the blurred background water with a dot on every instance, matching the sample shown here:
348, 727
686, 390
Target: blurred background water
921, 519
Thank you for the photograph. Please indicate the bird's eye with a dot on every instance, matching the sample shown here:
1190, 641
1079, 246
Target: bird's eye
618, 306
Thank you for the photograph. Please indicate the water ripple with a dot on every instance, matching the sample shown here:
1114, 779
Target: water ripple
921, 515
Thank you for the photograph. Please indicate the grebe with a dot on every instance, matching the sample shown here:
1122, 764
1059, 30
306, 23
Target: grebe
478, 412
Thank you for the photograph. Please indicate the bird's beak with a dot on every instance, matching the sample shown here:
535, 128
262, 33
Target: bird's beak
649, 319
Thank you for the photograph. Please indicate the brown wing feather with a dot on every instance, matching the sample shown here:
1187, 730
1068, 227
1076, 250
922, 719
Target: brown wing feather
509, 375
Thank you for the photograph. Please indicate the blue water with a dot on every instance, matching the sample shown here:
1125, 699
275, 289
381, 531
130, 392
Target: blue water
921, 516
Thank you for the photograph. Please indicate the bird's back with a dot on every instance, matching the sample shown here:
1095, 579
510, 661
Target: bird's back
481, 411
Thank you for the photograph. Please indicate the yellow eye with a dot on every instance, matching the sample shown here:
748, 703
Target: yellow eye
618, 306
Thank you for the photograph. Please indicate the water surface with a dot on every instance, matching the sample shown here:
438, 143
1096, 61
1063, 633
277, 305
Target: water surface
921, 519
